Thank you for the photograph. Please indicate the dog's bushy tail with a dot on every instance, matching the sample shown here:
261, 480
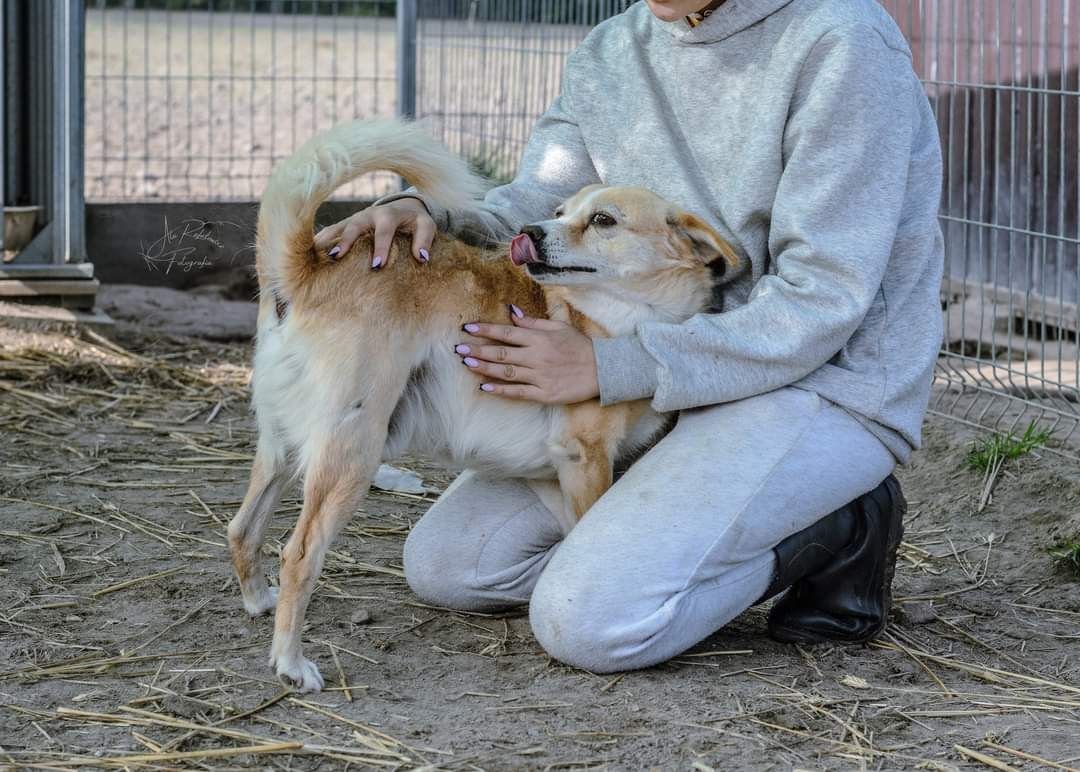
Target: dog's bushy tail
304, 180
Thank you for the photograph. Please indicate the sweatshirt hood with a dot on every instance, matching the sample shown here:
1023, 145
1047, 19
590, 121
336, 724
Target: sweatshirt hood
732, 17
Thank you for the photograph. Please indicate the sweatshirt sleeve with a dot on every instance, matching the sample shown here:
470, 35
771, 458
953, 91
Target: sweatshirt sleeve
554, 166
846, 151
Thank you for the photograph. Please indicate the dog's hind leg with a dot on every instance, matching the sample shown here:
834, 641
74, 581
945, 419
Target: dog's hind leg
339, 471
247, 530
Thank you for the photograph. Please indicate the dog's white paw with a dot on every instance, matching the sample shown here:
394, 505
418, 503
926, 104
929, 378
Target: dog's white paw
300, 673
261, 603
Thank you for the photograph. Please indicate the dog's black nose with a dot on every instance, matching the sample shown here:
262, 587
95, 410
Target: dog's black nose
534, 232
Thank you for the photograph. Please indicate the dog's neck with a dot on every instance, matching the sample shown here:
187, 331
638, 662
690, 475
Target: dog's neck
619, 311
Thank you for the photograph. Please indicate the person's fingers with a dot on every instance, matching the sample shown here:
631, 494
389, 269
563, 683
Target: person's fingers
503, 333
423, 235
518, 317
328, 235
383, 222
352, 231
514, 355
514, 391
386, 226
505, 372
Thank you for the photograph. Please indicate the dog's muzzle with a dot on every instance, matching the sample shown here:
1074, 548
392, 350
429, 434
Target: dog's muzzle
527, 249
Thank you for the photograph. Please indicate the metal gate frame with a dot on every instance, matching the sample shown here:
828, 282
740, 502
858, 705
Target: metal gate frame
41, 127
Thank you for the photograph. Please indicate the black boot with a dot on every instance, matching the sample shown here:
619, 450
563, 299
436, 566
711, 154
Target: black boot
839, 571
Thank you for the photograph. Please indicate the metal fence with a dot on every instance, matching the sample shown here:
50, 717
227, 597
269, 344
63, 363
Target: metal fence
1003, 79
196, 99
41, 186
488, 70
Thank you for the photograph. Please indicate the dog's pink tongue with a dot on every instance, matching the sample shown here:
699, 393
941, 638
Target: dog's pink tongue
522, 250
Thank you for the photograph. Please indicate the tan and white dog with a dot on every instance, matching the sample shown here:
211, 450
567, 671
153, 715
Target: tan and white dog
353, 366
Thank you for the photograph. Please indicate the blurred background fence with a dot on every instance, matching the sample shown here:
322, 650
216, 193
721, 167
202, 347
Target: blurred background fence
192, 101
196, 100
1002, 77
487, 70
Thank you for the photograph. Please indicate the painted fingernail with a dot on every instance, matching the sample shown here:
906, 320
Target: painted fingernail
333, 252
424, 255
471, 328
461, 348
377, 262
517, 311
486, 387
470, 362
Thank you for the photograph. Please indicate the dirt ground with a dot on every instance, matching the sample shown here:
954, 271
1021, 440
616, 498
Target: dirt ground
123, 643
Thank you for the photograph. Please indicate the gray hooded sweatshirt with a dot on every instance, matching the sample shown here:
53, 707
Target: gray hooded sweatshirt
798, 129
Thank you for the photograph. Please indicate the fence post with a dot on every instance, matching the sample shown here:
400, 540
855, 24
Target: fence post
3, 130
406, 59
406, 63
68, 242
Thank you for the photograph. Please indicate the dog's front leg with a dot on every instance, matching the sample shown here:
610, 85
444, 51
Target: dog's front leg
586, 458
584, 474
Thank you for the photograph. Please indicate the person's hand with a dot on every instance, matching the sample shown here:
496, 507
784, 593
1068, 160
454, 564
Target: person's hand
405, 214
533, 359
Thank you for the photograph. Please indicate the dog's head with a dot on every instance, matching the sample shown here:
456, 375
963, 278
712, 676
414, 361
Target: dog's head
628, 241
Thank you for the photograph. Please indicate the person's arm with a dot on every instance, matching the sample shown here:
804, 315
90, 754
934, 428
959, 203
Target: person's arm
847, 150
555, 165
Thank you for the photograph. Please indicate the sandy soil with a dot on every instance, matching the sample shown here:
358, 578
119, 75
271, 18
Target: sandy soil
121, 631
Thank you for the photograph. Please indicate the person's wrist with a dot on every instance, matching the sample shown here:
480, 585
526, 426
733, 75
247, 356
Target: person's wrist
592, 370
413, 203
625, 371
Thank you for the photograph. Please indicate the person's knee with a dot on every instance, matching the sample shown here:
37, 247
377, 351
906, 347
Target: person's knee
430, 571
443, 572
581, 629
607, 623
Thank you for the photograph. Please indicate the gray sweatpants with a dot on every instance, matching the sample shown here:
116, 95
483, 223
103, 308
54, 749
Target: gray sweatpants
678, 547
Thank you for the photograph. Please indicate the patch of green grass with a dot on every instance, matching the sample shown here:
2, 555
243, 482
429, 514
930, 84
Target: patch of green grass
995, 450
1066, 553
490, 166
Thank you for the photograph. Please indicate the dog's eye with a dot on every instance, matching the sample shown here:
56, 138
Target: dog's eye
558, 213
602, 219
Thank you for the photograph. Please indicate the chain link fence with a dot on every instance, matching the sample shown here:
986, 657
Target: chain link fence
194, 100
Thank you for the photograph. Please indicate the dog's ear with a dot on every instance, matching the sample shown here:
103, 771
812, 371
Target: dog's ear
702, 240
